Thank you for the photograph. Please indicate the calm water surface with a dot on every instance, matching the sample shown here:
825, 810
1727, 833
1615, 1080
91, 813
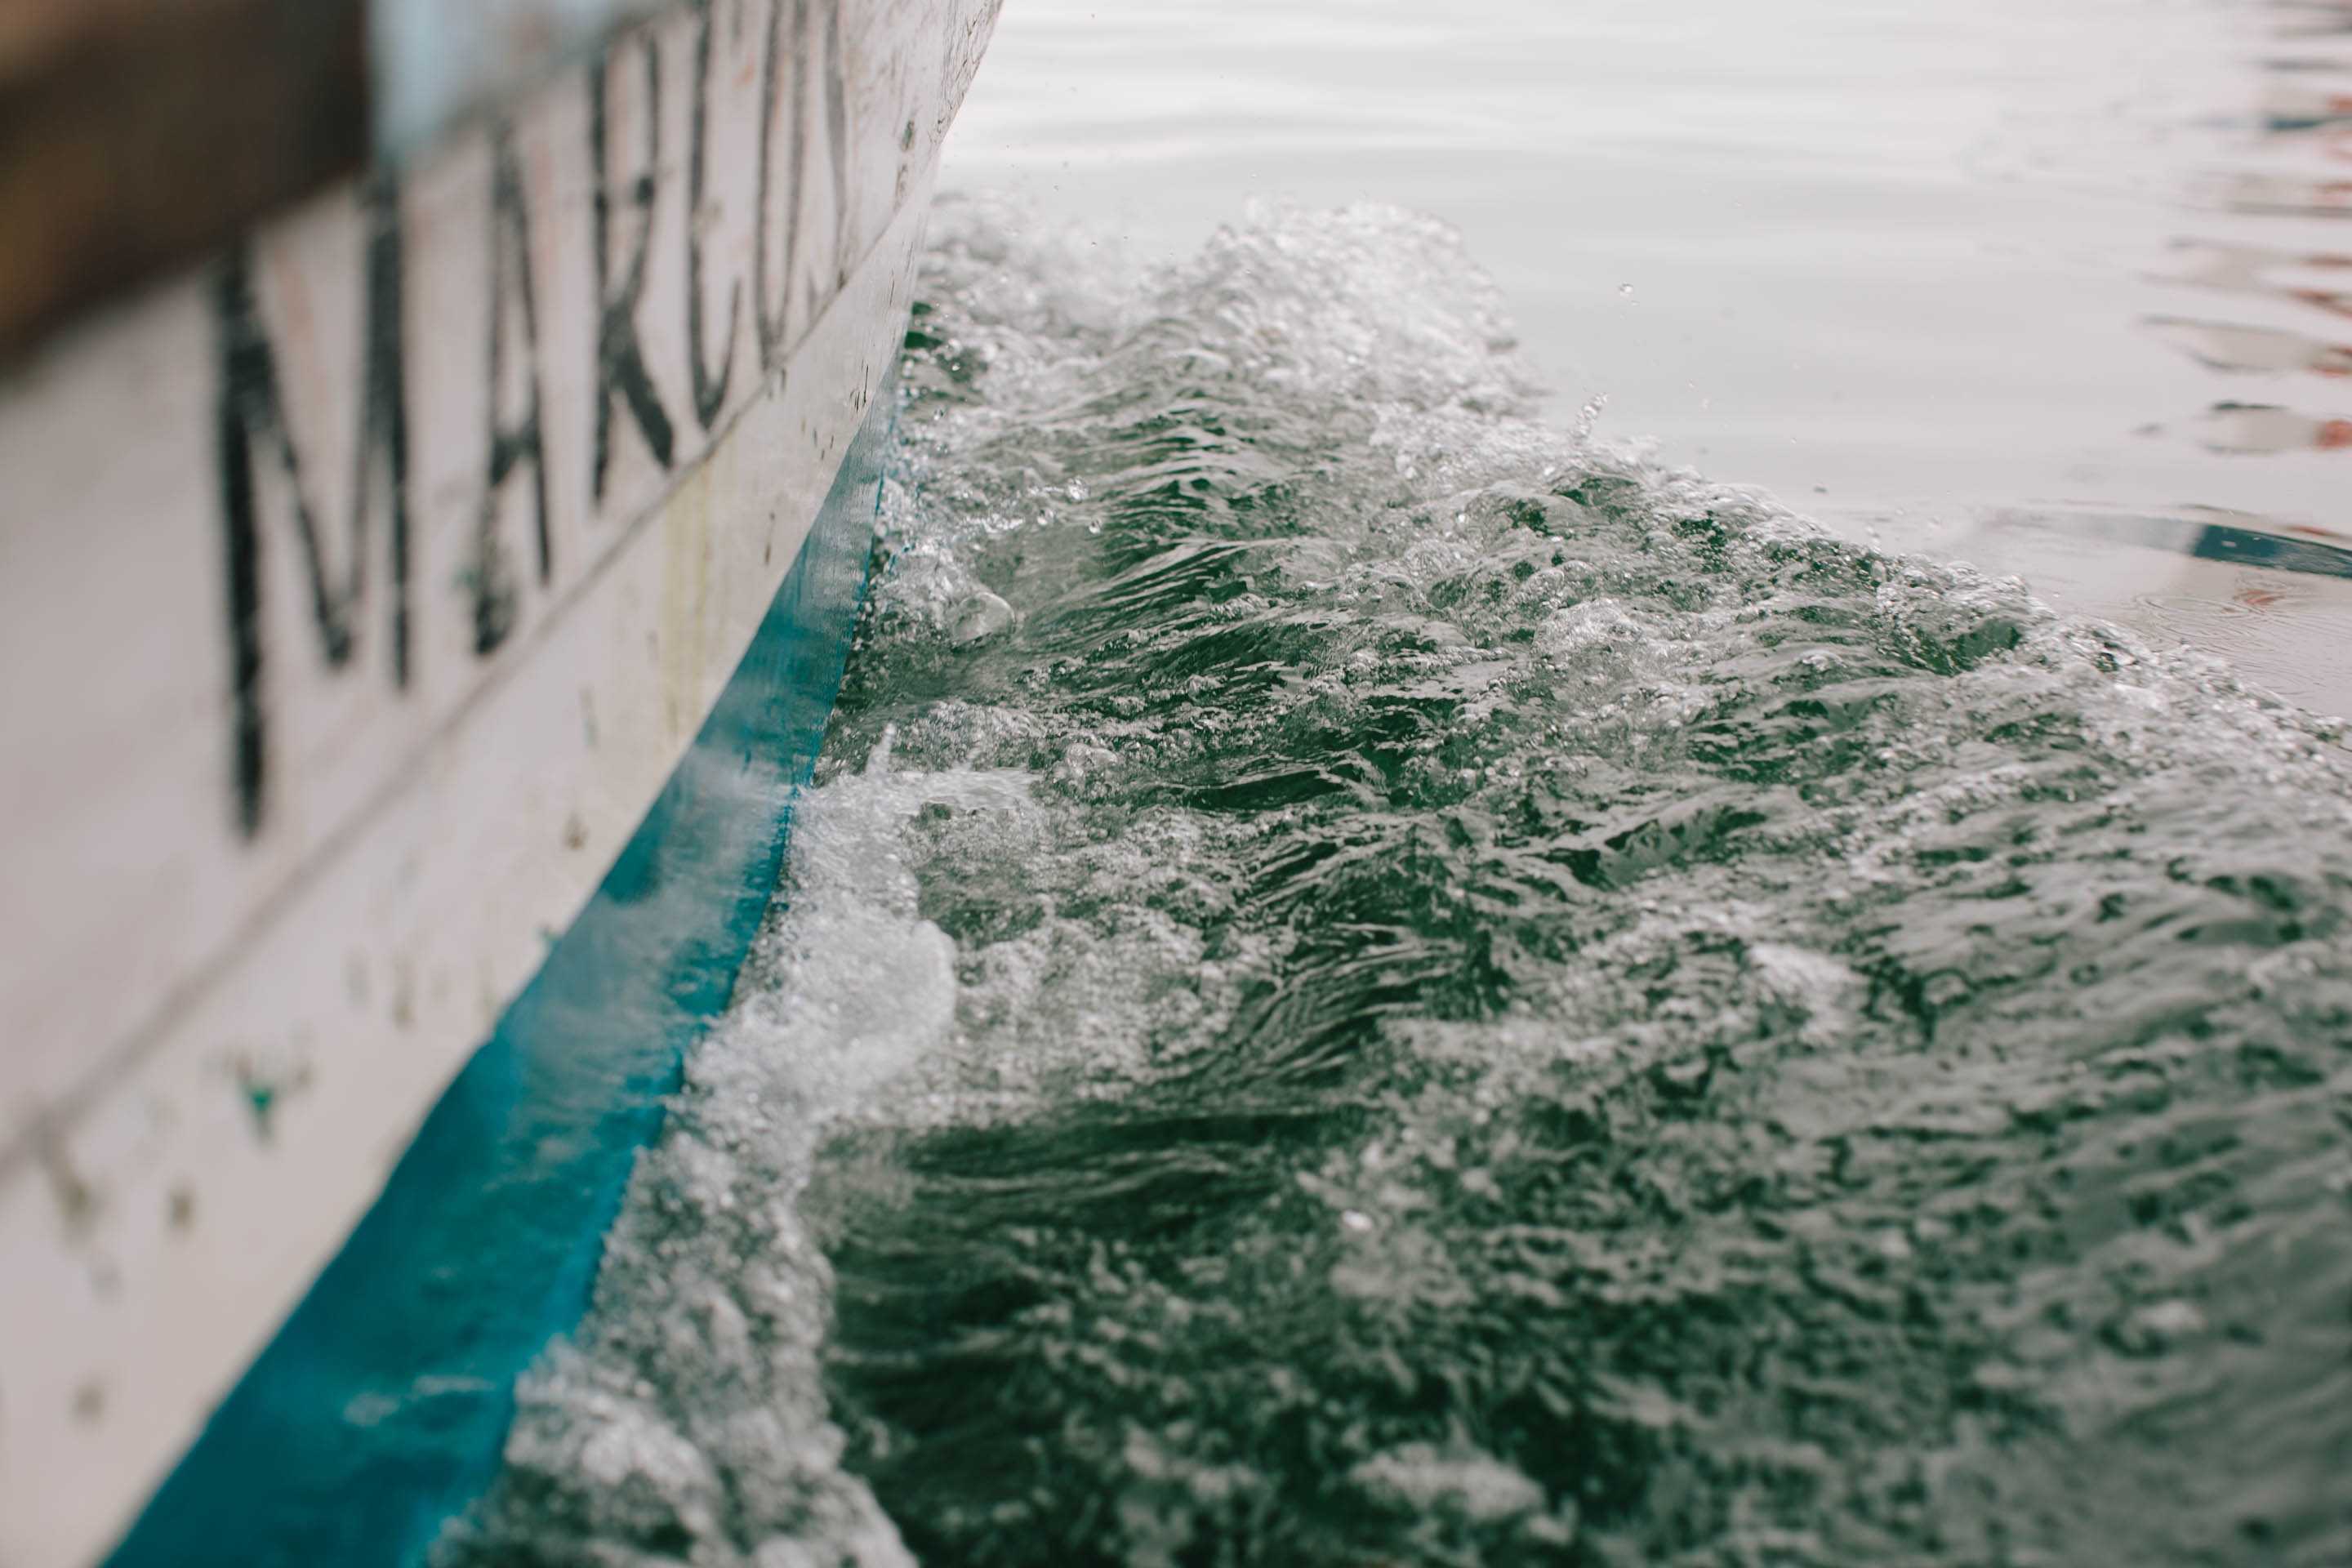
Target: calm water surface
2038, 283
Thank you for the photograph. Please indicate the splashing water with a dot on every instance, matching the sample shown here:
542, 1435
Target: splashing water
1368, 982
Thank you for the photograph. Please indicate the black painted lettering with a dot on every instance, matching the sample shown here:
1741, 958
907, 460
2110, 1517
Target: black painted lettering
251, 413
836, 146
709, 389
768, 322
810, 20
620, 360
518, 439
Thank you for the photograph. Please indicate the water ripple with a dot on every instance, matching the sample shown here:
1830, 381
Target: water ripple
1368, 983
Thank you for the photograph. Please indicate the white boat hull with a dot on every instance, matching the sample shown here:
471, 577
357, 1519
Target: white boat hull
295, 820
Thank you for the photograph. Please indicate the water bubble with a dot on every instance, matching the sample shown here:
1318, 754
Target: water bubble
1590, 415
981, 615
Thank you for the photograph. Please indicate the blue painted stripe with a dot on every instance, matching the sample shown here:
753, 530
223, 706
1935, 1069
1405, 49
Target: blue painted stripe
379, 1410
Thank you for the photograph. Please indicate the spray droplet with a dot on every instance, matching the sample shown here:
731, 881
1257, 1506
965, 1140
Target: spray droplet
1590, 415
981, 615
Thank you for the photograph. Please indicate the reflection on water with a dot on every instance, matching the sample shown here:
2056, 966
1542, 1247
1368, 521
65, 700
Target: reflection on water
2291, 167
2286, 196
2258, 292
2312, 18
2211, 533
2292, 276
2252, 429
2227, 346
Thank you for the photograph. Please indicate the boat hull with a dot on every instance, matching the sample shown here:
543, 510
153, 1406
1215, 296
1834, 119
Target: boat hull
378, 1411
362, 594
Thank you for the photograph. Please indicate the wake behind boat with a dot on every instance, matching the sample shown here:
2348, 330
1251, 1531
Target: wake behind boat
417, 612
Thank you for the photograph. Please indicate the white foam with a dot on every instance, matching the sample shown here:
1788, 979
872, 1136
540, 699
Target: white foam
692, 1405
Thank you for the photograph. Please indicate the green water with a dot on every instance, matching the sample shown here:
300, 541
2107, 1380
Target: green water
1367, 983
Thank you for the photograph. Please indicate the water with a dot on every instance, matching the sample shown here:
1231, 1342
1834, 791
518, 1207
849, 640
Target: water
1368, 980
1975, 279
1377, 973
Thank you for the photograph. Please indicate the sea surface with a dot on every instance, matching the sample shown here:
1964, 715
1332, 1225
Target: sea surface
2048, 285
1380, 972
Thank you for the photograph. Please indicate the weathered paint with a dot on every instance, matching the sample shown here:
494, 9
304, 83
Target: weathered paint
336, 676
377, 1412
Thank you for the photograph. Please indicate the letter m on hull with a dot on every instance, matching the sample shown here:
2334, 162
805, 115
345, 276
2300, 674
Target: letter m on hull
269, 505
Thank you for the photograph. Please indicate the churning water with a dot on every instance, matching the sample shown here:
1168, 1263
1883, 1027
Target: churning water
2051, 286
1367, 981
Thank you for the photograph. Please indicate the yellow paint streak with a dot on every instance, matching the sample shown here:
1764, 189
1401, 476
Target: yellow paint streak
684, 602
